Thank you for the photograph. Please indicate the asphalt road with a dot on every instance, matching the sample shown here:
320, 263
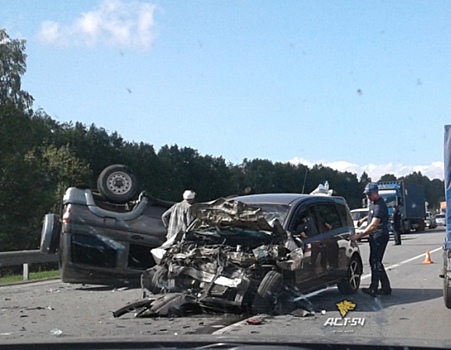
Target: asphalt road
415, 310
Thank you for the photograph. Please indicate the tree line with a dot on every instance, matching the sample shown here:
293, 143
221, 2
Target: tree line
40, 157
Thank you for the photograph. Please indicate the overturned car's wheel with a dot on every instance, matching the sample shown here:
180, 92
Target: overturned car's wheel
351, 283
117, 183
50, 234
267, 293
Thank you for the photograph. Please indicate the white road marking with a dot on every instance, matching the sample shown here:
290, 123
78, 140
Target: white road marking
306, 296
391, 267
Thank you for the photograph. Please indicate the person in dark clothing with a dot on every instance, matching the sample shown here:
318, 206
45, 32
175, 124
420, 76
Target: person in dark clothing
378, 236
397, 224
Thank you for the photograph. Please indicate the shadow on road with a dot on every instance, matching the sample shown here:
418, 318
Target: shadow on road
327, 300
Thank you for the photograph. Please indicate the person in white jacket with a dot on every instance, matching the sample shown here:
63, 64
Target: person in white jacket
177, 218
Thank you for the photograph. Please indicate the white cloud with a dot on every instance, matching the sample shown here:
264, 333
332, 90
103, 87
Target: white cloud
375, 171
112, 23
50, 32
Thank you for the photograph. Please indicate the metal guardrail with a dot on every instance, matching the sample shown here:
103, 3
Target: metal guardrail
25, 257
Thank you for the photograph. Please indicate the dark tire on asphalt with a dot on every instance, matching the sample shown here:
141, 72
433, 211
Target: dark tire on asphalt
118, 184
447, 291
351, 284
267, 293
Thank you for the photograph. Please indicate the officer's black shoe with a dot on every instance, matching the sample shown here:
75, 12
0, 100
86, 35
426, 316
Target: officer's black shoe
384, 291
370, 291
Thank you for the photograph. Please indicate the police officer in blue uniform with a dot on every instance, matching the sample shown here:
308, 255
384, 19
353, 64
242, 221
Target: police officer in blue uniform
378, 233
397, 224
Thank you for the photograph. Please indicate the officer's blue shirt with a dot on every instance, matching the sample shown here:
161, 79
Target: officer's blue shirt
378, 209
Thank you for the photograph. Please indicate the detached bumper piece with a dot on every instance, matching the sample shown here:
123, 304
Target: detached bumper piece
166, 305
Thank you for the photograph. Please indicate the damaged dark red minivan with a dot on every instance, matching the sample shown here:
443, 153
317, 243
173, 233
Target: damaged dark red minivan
256, 253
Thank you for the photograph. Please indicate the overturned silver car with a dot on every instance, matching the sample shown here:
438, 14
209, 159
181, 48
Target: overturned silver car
254, 254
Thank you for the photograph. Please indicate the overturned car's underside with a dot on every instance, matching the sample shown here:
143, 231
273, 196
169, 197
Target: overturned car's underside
230, 260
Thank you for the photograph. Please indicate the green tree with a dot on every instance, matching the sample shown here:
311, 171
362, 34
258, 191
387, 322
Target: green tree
62, 169
184, 168
435, 193
18, 166
388, 177
364, 179
260, 174
12, 67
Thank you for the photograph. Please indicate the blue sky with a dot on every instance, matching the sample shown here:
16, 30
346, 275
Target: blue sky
355, 85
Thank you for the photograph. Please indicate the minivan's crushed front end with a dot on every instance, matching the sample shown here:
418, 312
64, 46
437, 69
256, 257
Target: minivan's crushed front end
224, 256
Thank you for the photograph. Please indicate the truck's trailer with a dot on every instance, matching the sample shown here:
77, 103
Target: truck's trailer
411, 200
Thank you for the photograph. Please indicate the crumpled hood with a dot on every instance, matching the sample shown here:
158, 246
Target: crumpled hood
226, 213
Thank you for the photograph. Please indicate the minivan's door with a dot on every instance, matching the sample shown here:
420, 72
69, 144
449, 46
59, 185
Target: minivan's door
329, 225
322, 256
305, 226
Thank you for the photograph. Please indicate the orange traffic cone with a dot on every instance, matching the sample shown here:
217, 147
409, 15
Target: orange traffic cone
427, 259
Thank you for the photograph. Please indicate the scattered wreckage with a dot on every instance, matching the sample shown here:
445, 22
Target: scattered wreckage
245, 255
254, 254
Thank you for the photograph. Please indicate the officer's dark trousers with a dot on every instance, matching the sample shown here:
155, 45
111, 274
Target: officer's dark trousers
378, 243
397, 235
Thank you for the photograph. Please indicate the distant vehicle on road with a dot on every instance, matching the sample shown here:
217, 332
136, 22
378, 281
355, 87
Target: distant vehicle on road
411, 200
358, 214
430, 221
440, 219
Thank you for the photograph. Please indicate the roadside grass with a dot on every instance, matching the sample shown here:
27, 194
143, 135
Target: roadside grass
34, 276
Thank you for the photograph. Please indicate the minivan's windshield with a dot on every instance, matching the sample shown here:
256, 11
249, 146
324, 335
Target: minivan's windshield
273, 212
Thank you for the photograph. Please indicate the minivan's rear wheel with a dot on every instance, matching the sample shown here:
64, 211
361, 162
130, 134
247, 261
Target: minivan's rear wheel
117, 183
351, 284
267, 293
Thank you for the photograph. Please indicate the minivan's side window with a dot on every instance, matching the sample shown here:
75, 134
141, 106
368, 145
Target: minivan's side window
305, 224
328, 217
346, 218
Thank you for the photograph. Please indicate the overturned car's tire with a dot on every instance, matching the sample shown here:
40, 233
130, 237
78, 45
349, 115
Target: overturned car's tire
117, 183
267, 293
351, 283
50, 234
